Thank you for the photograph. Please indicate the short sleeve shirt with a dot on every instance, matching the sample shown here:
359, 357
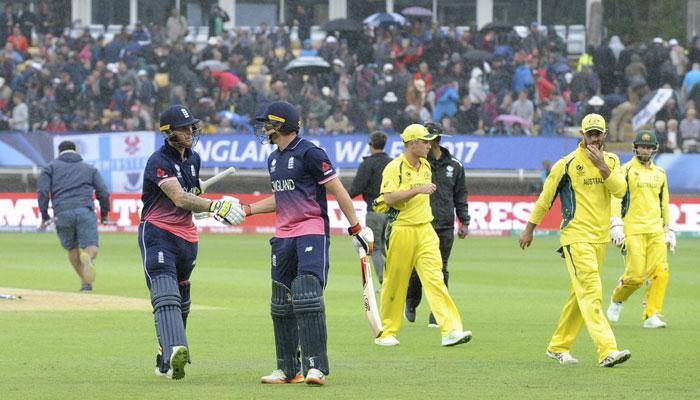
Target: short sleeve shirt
399, 175
297, 176
163, 166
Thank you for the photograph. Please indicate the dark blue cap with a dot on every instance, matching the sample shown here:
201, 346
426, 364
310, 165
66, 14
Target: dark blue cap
175, 117
281, 111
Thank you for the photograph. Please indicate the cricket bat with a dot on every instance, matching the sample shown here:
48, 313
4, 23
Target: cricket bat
369, 301
204, 185
216, 178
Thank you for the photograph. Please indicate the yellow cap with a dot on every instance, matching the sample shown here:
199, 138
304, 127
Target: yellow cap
417, 131
593, 122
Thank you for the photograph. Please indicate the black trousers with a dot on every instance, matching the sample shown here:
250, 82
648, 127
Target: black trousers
415, 288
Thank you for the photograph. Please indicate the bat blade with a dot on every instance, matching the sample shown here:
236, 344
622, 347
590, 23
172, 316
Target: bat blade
216, 178
369, 301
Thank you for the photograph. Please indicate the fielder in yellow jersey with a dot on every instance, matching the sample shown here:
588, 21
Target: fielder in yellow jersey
640, 225
412, 241
584, 180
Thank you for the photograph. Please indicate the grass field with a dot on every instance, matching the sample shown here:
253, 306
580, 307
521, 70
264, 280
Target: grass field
510, 299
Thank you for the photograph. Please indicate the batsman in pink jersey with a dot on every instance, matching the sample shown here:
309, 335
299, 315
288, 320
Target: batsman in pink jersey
167, 237
300, 175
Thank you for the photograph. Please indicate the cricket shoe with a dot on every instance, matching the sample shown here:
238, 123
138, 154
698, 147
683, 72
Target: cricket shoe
388, 341
456, 337
88, 268
614, 311
86, 287
654, 322
178, 360
564, 357
409, 313
278, 377
315, 377
616, 357
431, 322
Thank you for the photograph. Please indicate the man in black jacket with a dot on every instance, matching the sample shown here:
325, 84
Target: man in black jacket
367, 182
450, 196
70, 184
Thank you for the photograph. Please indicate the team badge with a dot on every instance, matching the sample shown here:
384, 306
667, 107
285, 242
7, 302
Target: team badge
192, 169
450, 171
290, 163
273, 165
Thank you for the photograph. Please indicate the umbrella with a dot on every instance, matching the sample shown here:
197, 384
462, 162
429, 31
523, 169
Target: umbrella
417, 12
384, 19
342, 25
307, 65
513, 119
214, 65
478, 56
497, 27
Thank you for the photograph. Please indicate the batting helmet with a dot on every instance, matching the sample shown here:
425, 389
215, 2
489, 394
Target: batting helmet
176, 116
281, 111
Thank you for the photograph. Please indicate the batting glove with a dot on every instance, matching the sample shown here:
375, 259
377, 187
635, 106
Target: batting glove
227, 211
362, 238
671, 239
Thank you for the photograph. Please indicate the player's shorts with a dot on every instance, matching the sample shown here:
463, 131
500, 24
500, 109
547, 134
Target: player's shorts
165, 253
292, 257
77, 228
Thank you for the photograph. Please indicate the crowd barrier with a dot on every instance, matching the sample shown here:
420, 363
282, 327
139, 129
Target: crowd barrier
491, 215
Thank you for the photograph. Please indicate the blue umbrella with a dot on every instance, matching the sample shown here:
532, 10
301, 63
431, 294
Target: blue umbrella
384, 19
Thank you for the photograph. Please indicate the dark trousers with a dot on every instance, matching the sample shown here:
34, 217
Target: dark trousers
415, 289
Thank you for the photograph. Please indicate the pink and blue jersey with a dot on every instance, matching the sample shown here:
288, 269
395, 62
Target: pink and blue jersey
166, 165
297, 176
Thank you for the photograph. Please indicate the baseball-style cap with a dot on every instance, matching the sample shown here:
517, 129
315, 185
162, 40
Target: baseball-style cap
417, 131
593, 122
646, 137
176, 116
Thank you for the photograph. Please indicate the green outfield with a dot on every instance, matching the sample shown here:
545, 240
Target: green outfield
510, 299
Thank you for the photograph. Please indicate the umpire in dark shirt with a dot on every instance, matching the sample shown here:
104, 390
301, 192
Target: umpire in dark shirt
70, 184
367, 182
450, 197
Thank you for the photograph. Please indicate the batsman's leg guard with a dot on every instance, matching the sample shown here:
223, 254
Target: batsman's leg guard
286, 330
185, 302
310, 311
166, 301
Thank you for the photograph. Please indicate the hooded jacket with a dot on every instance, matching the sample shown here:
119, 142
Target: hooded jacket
70, 183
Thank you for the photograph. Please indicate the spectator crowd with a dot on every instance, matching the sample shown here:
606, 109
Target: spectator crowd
493, 82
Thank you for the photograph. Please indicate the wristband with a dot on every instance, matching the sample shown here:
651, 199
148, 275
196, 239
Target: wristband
355, 229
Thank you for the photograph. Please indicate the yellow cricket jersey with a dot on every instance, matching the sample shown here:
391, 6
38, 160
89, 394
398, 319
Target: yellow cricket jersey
399, 175
584, 194
644, 208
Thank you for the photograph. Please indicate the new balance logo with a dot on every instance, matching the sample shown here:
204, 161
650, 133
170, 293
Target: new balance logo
309, 249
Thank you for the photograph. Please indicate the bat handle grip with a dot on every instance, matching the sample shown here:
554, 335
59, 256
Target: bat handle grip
362, 252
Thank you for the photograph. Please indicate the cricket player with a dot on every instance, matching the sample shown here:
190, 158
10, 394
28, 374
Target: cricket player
640, 224
300, 176
450, 196
412, 241
167, 236
70, 184
584, 180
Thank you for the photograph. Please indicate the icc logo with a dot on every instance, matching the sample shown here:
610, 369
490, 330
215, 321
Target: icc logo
131, 144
